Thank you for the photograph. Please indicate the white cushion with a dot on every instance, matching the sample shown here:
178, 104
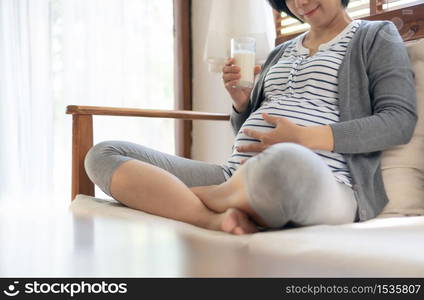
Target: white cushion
363, 249
403, 166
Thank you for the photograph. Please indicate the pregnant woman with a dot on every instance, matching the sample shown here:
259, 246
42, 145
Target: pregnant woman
308, 136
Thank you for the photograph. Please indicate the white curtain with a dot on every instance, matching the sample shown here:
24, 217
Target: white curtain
26, 113
54, 53
227, 19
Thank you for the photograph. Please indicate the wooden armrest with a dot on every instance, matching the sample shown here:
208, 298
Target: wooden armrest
82, 134
149, 113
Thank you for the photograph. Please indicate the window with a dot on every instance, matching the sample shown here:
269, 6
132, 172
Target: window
288, 27
113, 53
61, 52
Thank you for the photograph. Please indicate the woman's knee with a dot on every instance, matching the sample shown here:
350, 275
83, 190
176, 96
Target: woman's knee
281, 179
289, 153
96, 155
101, 161
288, 159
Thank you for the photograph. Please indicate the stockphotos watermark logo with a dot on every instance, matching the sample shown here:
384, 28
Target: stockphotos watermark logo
12, 289
71, 289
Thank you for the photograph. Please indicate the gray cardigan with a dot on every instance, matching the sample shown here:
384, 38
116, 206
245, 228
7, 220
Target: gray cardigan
377, 101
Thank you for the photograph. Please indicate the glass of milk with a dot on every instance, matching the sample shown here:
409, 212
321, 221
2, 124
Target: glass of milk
243, 51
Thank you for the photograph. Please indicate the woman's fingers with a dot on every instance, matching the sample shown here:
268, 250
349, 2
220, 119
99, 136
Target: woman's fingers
257, 69
235, 69
254, 134
230, 73
231, 69
230, 77
259, 146
231, 84
253, 147
243, 161
230, 61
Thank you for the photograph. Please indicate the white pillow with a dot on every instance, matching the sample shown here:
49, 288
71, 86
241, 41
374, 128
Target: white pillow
403, 166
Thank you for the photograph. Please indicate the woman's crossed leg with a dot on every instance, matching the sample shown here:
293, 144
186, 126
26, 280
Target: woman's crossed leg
285, 183
157, 183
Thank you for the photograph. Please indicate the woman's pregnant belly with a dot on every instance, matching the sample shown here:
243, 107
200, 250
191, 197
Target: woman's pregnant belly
335, 161
254, 122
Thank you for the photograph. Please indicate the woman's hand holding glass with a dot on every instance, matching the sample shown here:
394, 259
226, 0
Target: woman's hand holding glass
231, 76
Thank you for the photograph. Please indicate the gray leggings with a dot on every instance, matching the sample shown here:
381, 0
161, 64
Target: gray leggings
287, 183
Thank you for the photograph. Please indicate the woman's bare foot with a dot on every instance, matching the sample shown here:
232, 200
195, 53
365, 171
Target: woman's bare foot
230, 194
236, 222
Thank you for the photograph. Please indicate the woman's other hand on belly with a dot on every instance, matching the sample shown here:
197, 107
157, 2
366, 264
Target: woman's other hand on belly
286, 131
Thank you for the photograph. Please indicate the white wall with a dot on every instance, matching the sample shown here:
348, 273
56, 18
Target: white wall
212, 140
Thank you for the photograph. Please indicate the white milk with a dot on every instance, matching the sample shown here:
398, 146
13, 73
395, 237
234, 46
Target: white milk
246, 61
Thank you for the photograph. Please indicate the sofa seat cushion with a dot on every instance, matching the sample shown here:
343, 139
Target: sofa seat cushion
386, 247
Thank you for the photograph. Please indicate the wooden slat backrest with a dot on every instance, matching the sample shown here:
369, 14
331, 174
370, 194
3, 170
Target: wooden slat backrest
410, 22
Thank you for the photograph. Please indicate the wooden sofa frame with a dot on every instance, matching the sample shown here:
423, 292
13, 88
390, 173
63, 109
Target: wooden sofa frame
412, 19
82, 134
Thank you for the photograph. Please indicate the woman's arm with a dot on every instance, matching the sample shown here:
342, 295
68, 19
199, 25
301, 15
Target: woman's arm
238, 118
393, 96
286, 131
318, 138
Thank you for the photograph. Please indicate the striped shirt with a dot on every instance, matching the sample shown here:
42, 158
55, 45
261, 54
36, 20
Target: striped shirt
303, 89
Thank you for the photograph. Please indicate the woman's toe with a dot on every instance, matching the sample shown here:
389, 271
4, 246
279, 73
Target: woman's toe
238, 231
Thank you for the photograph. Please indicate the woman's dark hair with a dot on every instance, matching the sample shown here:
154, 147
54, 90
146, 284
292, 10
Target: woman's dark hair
280, 6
